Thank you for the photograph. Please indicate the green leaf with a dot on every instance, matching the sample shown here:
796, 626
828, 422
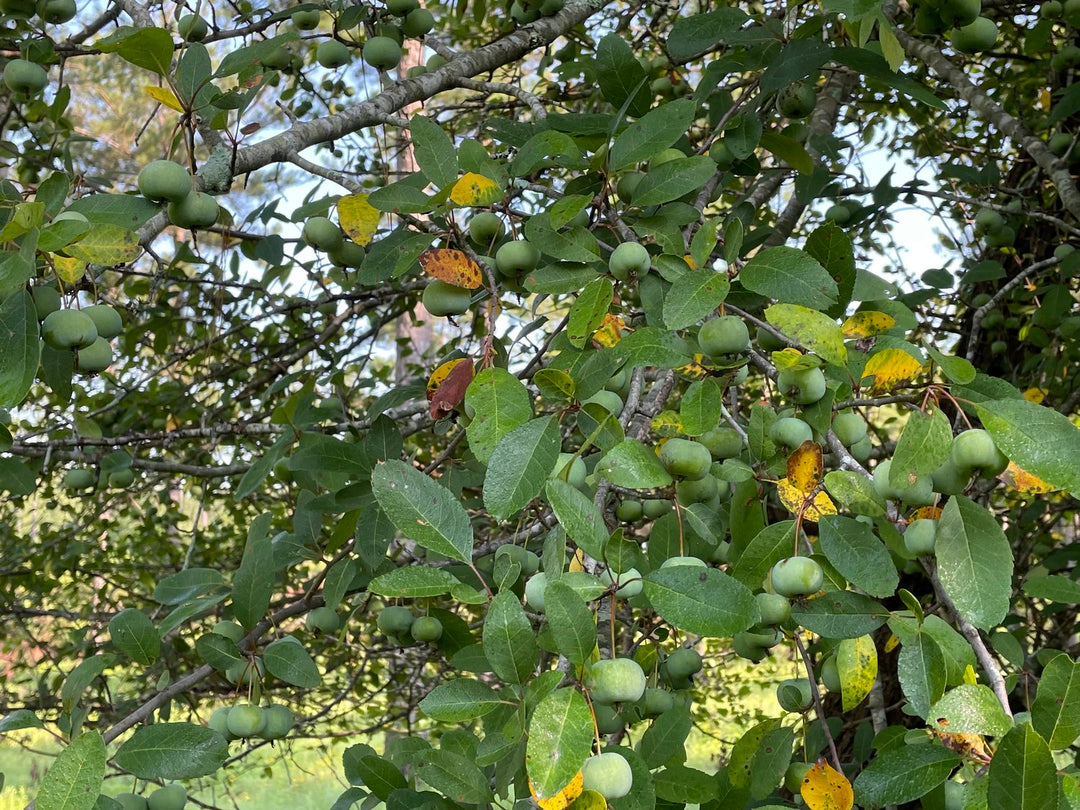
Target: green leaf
82, 676
788, 150
414, 582
665, 737
858, 554
378, 775
289, 661
955, 369
740, 764
798, 59
187, 584
571, 622
631, 464
733, 239
651, 346
1023, 775
833, 249
1037, 439
683, 785
150, 48
922, 448
701, 406
921, 670
840, 614
254, 581
1052, 587
693, 296
673, 179
519, 466
1055, 714
172, 751
789, 275
122, 210
588, 311
19, 719
423, 510
454, 776
770, 761
578, 515
134, 635
975, 562
74, 780
814, 330
546, 148
458, 700
560, 740
767, 548
871, 64
655, 131
621, 77
509, 640
501, 403
854, 492
434, 151
21, 355
704, 601
217, 650
971, 709
699, 33
903, 774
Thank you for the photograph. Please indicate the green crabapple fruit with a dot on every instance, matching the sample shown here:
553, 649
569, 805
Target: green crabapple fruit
774, 608
628, 582
797, 576
918, 493
164, 181
849, 427
804, 386
245, 720
323, 620
170, 797
486, 228
394, 620
426, 629
627, 258
724, 335
516, 257
332, 54
608, 774
534, 591
683, 663
68, 329
920, 535
25, 77
616, 680
684, 458
442, 299
196, 210
829, 674
975, 450
794, 695
790, 432
279, 722
722, 442
382, 53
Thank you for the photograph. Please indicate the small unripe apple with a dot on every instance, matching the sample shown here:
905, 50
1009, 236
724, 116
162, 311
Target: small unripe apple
919, 493
724, 335
683, 663
608, 721
577, 473
616, 680
683, 561
797, 576
131, 801
684, 458
245, 720
774, 608
656, 507
849, 427
790, 432
627, 258
975, 450
426, 629
534, 591
794, 695
486, 228
804, 386
920, 536
629, 510
830, 676
394, 620
323, 620
516, 257
795, 774
722, 442
656, 701
629, 582
219, 722
279, 722
608, 774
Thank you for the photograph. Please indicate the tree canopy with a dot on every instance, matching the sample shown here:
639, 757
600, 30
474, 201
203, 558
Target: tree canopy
481, 381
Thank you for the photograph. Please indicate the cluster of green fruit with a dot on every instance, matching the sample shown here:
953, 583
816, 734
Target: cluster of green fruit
524, 12
320, 233
165, 181
86, 332
53, 12
80, 478
791, 578
401, 19
973, 453
245, 720
970, 33
992, 225
170, 797
399, 624
1069, 11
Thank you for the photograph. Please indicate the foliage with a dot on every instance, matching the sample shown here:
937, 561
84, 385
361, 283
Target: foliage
411, 400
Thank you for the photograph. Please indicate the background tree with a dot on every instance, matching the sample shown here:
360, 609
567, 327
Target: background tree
691, 396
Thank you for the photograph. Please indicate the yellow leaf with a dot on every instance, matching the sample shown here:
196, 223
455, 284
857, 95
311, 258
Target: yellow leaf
856, 663
667, 424
109, 245
589, 800
562, 799
452, 266
69, 269
695, 370
926, 512
969, 746
163, 95
475, 189
891, 643
610, 331
825, 788
890, 368
1024, 482
442, 372
794, 498
577, 563
787, 359
359, 218
1036, 395
805, 467
867, 324
970, 678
